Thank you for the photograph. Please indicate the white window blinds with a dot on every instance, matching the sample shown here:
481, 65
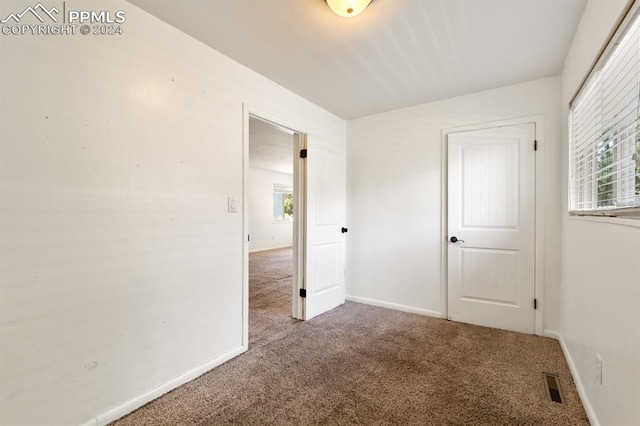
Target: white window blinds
605, 133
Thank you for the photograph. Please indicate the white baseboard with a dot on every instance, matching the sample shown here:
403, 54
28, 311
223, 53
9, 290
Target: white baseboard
128, 407
591, 414
270, 248
553, 335
395, 306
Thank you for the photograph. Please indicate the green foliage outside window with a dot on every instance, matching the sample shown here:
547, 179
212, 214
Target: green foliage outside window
637, 165
288, 206
604, 166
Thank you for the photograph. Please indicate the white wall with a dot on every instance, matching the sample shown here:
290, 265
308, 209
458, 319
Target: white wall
265, 233
599, 311
394, 190
120, 267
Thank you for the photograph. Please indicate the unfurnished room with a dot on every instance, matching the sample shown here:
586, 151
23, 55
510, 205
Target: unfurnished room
319, 212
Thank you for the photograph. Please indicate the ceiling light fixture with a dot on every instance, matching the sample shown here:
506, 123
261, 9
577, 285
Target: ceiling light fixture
348, 8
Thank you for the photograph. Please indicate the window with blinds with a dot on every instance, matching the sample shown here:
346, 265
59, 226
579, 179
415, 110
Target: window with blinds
605, 131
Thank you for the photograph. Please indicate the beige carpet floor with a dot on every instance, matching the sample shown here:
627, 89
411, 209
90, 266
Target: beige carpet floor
364, 365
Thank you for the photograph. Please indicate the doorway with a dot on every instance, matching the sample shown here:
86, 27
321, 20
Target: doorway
274, 199
319, 218
491, 216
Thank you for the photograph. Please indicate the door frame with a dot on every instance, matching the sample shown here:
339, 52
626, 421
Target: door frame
539, 282
299, 213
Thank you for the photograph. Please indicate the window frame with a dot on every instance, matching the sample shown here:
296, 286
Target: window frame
589, 166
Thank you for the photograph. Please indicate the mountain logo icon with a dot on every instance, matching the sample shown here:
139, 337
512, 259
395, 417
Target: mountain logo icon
38, 11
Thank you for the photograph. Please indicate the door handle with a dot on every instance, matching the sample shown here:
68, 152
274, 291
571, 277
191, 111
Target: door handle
456, 240
344, 230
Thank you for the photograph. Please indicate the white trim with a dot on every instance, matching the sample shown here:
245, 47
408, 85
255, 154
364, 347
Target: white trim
538, 120
394, 306
245, 226
539, 224
631, 222
139, 401
271, 248
298, 304
591, 414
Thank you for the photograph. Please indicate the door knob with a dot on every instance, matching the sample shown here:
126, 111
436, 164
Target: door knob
344, 230
455, 240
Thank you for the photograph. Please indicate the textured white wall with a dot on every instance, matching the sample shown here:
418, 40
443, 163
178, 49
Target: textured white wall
120, 268
598, 312
265, 233
394, 189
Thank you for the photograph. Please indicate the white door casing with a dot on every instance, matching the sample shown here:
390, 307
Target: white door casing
325, 217
491, 207
299, 224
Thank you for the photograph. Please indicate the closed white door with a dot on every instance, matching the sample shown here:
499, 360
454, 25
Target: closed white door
325, 218
491, 213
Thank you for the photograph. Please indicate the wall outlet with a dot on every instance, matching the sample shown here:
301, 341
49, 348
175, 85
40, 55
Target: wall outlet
598, 369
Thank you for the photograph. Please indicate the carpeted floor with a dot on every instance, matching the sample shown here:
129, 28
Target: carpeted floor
270, 281
365, 365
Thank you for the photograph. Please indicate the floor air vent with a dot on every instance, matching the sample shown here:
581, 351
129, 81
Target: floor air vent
552, 384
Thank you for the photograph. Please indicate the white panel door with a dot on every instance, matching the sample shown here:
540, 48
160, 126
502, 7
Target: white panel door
491, 211
325, 243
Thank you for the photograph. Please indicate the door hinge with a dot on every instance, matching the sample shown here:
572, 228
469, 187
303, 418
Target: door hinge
535, 303
248, 237
535, 145
303, 292
303, 153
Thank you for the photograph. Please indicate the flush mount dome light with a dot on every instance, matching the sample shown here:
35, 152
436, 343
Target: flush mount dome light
348, 8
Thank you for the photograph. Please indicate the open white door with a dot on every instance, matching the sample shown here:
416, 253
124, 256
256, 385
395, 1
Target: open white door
325, 218
491, 212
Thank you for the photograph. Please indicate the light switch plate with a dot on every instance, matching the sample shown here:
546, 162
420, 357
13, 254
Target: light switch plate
233, 207
599, 369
